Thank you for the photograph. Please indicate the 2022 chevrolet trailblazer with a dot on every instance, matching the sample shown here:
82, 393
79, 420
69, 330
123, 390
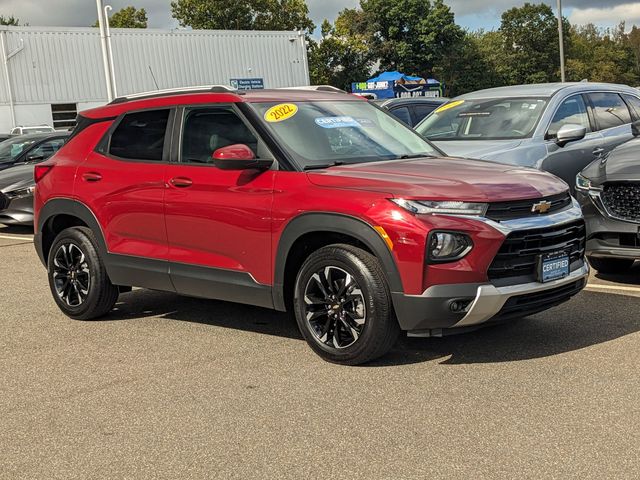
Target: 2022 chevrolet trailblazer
317, 203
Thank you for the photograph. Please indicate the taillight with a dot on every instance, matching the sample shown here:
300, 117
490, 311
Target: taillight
40, 171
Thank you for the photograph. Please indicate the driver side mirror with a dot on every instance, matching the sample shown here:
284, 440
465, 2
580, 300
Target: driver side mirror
570, 133
635, 128
239, 157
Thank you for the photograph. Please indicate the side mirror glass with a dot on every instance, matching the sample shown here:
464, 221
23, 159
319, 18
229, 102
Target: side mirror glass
570, 133
238, 157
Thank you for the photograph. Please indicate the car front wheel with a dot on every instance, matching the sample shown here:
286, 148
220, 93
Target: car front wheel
77, 276
343, 305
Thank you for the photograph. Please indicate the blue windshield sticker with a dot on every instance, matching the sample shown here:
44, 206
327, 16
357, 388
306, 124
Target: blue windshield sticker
337, 122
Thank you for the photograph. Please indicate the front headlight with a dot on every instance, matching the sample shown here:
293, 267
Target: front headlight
582, 182
23, 192
424, 207
447, 246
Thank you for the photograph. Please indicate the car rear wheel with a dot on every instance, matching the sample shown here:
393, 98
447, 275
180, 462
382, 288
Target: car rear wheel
77, 276
343, 305
611, 265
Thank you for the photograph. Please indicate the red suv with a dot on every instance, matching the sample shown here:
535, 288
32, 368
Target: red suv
317, 203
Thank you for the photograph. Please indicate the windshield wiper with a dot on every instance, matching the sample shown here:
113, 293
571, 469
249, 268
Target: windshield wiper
414, 155
337, 163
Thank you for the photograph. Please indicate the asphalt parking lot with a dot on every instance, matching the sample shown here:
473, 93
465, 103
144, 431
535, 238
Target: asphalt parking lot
171, 387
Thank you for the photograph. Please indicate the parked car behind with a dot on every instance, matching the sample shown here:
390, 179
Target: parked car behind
32, 148
411, 110
32, 129
16, 195
313, 202
609, 193
560, 128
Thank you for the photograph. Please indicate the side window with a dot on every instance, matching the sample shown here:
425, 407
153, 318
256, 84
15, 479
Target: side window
634, 105
140, 136
572, 111
421, 111
609, 109
208, 129
15, 131
402, 113
46, 149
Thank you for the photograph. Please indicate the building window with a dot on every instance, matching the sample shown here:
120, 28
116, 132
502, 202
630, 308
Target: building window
64, 115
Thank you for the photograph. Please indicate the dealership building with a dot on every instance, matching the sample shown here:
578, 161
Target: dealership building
50, 74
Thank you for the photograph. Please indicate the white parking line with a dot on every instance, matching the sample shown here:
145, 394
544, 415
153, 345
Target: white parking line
7, 237
613, 287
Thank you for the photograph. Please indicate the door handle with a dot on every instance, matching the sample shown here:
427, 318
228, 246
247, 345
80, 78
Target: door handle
91, 177
181, 182
598, 151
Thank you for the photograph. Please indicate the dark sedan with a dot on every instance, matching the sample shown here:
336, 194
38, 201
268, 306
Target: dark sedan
609, 192
411, 110
32, 148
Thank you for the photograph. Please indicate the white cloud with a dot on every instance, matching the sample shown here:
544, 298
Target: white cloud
630, 13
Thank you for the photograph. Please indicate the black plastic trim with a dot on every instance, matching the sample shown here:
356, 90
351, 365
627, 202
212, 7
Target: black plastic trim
334, 223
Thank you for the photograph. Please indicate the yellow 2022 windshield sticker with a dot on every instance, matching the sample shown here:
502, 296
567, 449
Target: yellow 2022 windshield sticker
281, 112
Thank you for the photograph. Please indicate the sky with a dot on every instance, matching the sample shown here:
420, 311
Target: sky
473, 14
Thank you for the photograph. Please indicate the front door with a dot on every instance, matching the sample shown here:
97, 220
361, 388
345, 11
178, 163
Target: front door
218, 221
567, 161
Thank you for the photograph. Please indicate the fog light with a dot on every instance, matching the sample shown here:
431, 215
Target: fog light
447, 246
459, 306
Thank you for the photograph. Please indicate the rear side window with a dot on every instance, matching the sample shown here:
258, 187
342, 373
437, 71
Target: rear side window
402, 113
609, 109
422, 111
140, 136
634, 104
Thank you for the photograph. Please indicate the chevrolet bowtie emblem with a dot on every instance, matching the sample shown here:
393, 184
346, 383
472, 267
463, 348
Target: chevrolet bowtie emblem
541, 207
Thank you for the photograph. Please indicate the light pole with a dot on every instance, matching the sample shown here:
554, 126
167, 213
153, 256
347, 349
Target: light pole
561, 34
103, 22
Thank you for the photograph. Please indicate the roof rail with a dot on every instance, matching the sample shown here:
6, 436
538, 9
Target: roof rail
176, 91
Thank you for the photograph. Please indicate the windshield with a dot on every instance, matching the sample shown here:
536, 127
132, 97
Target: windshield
485, 119
13, 148
340, 132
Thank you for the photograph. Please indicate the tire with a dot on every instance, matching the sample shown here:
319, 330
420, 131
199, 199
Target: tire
611, 265
77, 276
361, 328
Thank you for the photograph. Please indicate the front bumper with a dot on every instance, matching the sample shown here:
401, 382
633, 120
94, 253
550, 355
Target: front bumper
607, 236
17, 211
431, 313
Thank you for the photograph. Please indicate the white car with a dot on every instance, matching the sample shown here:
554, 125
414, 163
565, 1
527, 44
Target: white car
34, 129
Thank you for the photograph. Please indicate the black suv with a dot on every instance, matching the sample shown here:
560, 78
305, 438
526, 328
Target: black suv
609, 192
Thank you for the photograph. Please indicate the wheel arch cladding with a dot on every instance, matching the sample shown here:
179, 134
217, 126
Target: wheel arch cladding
337, 228
61, 213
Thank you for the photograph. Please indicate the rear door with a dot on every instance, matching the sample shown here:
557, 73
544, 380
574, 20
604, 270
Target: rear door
612, 118
218, 221
567, 161
122, 181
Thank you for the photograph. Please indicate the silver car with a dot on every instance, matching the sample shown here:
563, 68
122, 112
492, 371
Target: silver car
559, 127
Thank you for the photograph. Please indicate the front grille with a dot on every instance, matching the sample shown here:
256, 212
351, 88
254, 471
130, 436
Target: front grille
523, 208
4, 201
518, 255
622, 200
530, 303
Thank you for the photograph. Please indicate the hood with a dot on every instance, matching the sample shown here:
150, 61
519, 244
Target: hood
622, 163
442, 179
475, 148
16, 177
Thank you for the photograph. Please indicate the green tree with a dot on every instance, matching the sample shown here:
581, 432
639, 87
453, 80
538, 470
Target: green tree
531, 47
128, 17
411, 36
243, 14
343, 54
10, 21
